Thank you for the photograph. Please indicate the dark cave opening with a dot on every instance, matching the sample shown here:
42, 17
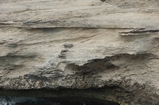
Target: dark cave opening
93, 96
6, 100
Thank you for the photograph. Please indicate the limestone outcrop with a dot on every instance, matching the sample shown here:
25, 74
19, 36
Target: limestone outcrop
82, 44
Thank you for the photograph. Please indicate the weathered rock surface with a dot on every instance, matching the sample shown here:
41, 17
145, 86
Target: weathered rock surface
82, 44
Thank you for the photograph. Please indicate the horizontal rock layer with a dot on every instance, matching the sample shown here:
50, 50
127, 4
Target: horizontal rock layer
78, 44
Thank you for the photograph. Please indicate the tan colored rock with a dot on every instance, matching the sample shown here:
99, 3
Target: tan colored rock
81, 44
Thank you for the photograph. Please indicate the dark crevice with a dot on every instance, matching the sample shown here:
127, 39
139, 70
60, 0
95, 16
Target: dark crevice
91, 96
5, 100
55, 97
142, 31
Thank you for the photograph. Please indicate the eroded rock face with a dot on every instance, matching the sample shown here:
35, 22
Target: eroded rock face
77, 44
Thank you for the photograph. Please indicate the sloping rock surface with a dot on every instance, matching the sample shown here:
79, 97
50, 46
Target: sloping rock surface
81, 44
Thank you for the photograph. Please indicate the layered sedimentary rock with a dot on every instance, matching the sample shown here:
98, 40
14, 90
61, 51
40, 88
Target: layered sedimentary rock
75, 44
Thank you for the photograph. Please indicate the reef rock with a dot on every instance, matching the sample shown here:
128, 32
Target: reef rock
82, 44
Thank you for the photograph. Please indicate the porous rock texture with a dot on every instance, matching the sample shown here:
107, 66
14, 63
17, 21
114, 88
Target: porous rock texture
82, 44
